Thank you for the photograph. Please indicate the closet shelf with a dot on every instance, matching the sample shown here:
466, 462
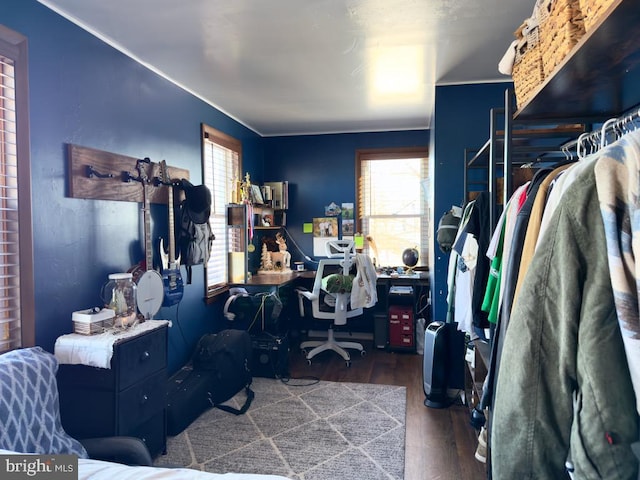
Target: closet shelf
528, 144
590, 80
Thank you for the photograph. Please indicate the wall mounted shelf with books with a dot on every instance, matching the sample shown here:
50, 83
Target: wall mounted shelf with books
249, 224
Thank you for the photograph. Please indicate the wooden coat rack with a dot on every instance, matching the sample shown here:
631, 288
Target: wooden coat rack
99, 175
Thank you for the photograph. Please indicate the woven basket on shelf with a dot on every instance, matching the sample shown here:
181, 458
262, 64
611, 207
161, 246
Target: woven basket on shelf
561, 28
527, 67
592, 11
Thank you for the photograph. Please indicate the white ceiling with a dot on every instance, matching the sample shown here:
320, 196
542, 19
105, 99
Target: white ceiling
285, 67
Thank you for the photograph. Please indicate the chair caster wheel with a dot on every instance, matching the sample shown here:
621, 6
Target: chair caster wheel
309, 362
363, 353
348, 362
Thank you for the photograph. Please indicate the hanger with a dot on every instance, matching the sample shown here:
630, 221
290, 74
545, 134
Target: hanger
603, 131
580, 149
566, 151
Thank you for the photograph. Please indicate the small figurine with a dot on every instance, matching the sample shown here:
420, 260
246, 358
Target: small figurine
246, 189
282, 247
266, 263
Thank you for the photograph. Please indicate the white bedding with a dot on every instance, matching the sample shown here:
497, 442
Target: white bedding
99, 470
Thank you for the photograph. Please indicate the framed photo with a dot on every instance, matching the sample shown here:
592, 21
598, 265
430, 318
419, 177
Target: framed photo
325, 227
267, 220
347, 227
256, 195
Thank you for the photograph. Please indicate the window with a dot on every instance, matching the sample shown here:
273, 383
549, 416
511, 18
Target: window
222, 164
17, 312
392, 203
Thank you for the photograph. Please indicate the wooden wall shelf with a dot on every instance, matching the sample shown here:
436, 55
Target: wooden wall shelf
590, 81
82, 185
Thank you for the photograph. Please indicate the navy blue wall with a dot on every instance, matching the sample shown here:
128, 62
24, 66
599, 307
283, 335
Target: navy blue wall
84, 92
321, 169
461, 120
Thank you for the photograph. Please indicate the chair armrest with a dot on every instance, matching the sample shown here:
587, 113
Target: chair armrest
126, 450
302, 294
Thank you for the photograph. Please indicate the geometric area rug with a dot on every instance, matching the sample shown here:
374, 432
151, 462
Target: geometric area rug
303, 430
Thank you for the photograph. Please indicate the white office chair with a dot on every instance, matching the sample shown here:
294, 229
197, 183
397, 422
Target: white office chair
330, 299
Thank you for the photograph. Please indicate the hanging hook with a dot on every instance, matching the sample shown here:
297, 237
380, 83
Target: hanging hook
92, 172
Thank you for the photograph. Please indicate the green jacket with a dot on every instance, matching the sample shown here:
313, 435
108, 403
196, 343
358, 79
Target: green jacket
563, 388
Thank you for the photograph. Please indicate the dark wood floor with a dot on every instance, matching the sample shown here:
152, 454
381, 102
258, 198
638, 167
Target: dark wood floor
440, 443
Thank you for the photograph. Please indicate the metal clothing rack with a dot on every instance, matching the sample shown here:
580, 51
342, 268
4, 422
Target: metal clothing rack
512, 144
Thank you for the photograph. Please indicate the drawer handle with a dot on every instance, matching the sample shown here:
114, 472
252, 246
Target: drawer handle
145, 356
144, 399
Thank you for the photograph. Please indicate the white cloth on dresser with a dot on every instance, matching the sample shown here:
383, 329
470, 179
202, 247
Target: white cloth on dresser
97, 350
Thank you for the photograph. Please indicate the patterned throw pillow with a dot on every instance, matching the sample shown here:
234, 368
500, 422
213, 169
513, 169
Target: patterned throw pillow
29, 408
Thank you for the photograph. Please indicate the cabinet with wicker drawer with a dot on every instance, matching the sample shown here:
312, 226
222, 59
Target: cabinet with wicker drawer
127, 399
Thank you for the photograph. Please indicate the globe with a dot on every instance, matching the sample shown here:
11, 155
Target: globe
410, 257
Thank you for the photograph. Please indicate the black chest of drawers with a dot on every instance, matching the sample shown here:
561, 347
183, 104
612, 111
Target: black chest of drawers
128, 399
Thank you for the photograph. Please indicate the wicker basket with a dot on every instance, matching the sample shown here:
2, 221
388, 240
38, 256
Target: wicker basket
527, 67
561, 28
592, 11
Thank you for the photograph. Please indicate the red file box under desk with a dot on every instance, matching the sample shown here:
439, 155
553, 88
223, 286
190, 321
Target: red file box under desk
401, 327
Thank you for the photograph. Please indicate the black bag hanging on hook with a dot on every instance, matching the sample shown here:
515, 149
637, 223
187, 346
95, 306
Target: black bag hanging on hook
195, 236
447, 230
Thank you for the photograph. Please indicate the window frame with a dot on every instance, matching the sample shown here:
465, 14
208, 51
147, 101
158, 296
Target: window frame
210, 134
14, 46
363, 155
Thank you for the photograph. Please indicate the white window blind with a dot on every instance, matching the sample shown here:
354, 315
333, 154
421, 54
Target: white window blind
221, 166
16, 247
9, 233
392, 204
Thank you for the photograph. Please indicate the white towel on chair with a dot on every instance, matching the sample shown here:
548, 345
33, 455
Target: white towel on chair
363, 291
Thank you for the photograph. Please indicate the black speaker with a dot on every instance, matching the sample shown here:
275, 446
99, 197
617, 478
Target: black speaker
270, 358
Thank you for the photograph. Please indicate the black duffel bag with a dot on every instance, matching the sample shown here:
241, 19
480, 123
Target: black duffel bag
226, 356
218, 370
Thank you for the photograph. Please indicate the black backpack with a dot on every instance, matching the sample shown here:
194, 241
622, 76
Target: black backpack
195, 236
447, 230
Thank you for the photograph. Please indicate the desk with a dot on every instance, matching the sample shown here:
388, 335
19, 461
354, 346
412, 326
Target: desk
420, 283
267, 319
396, 315
274, 279
375, 320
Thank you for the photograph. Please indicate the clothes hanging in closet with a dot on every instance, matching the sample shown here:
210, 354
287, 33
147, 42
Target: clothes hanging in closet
563, 387
513, 255
461, 272
477, 225
618, 183
498, 253
543, 181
